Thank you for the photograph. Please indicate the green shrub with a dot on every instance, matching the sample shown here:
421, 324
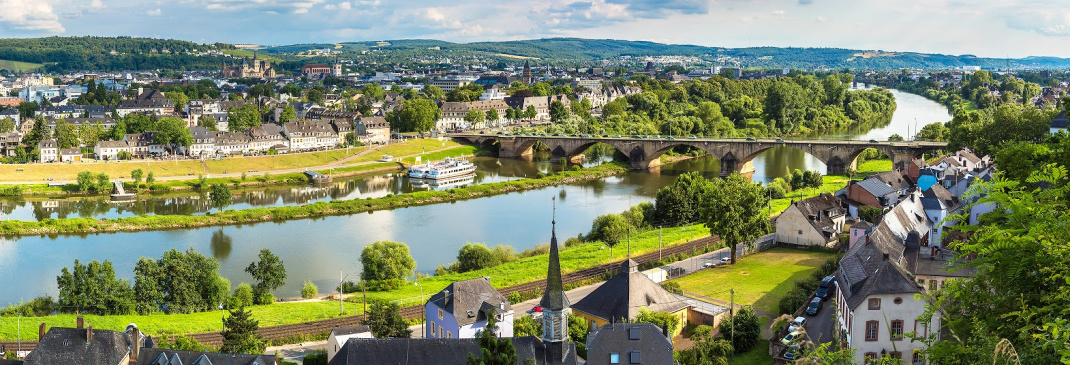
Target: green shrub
309, 290
315, 358
266, 298
244, 294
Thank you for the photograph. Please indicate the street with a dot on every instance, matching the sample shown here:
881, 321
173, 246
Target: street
820, 327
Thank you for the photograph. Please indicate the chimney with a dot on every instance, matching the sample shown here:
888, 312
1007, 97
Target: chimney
445, 298
665, 331
41, 332
81, 322
885, 257
89, 334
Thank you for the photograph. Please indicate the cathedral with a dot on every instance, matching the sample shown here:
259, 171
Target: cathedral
258, 69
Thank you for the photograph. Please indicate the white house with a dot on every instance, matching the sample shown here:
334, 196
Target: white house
49, 150
308, 135
460, 310
815, 221
109, 150
339, 336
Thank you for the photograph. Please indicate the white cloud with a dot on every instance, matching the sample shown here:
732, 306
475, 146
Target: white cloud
778, 13
96, 4
156, 12
29, 17
821, 18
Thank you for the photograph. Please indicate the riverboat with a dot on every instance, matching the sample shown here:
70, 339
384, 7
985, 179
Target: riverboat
450, 167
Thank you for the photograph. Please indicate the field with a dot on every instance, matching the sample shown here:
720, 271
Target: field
18, 66
760, 280
173, 324
831, 184
759, 355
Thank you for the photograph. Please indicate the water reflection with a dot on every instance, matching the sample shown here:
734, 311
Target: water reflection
221, 245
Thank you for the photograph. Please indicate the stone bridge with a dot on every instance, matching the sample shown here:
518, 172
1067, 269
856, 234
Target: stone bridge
734, 154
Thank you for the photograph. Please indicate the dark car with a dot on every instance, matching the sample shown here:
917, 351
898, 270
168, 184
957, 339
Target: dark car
791, 352
814, 307
872, 141
750, 139
780, 140
825, 287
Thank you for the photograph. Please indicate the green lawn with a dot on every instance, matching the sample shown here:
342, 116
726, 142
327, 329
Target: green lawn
874, 166
759, 355
18, 66
760, 280
831, 184
164, 324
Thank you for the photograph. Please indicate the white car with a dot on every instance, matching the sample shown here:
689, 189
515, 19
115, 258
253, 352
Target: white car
725, 260
709, 265
797, 324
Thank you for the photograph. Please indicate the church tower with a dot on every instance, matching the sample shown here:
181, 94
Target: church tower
555, 306
527, 73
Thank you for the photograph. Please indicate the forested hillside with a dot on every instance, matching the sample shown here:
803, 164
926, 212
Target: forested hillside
65, 54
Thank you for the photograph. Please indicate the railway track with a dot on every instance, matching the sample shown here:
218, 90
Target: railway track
416, 311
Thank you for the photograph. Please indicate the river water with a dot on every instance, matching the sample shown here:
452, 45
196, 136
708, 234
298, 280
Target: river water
316, 249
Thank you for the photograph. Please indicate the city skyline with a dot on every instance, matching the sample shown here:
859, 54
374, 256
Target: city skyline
985, 28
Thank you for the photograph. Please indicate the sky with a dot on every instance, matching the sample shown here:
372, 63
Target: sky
987, 28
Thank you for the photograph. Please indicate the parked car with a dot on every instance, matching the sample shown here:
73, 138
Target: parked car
791, 352
797, 324
814, 307
616, 136
825, 287
725, 260
791, 337
780, 140
709, 265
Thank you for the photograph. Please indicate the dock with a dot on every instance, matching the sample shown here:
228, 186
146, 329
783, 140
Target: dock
119, 192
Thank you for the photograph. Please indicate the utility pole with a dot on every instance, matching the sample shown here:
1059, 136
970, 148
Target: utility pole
20, 335
341, 310
659, 243
731, 307
363, 289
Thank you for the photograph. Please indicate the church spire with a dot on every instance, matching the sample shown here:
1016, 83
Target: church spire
554, 303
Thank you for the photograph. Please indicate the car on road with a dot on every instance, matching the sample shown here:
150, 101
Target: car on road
872, 141
616, 136
791, 337
797, 324
791, 352
692, 137
709, 265
825, 287
750, 139
814, 307
670, 138
482, 132
780, 140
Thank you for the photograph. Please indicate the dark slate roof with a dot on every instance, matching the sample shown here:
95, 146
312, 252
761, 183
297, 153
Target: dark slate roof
876, 187
342, 331
620, 298
554, 297
937, 193
645, 340
1060, 121
63, 345
820, 210
10, 362
168, 357
468, 299
865, 271
895, 179
418, 351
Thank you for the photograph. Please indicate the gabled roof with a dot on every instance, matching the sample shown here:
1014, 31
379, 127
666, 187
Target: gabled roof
938, 197
876, 187
894, 179
155, 356
342, 331
620, 298
645, 340
413, 351
865, 271
467, 299
63, 345
820, 210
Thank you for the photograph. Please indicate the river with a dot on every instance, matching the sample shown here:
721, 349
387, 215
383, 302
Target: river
316, 249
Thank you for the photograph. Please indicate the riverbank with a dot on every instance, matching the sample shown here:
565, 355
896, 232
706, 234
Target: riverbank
70, 226
233, 171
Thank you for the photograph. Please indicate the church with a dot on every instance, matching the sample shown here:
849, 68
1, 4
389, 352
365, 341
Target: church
260, 69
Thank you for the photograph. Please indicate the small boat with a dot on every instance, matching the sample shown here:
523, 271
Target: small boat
317, 178
387, 158
450, 167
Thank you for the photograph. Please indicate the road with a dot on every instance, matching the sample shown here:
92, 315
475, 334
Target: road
820, 327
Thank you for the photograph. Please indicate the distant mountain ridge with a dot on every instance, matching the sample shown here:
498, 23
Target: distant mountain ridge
65, 54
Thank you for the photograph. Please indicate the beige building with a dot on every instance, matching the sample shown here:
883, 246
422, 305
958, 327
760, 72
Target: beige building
258, 69
816, 221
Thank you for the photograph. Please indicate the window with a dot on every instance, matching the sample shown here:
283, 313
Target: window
875, 304
440, 313
918, 358
614, 358
869, 357
896, 355
897, 330
633, 357
449, 334
897, 300
872, 330
933, 284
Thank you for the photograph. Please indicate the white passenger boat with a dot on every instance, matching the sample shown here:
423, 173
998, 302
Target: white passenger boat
450, 167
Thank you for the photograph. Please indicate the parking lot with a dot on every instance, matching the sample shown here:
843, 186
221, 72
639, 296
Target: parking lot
820, 327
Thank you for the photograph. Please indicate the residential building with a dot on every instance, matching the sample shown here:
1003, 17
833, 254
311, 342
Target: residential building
308, 135
629, 343
372, 130
459, 310
939, 204
203, 142
869, 192
593, 84
816, 221
9, 142
232, 143
49, 150
109, 150
158, 356
1059, 123
69, 155
151, 102
453, 113
621, 297
265, 137
339, 336
13, 114
493, 93
84, 345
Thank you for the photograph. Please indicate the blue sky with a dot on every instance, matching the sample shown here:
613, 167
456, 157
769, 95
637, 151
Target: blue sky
1015, 28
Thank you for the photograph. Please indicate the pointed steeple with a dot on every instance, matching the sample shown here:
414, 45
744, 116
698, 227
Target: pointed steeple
554, 296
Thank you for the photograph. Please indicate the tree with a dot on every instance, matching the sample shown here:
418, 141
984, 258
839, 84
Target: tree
220, 196
207, 121
385, 320
315, 95
1017, 160
103, 183
66, 134
243, 295
151, 178
148, 291
288, 114
870, 214
707, 350
558, 112
493, 350
416, 115
748, 330
933, 132
492, 115
137, 174
526, 326
85, 181
475, 256
530, 112
269, 272
733, 209
7, 125
179, 98
610, 228
475, 117
664, 321
171, 131
680, 202
242, 117
386, 260
309, 290
259, 90
93, 289
90, 134
785, 106
895, 138
40, 132
240, 334
374, 91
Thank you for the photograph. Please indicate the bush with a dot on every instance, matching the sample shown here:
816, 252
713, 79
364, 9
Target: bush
183, 343
38, 307
309, 290
266, 298
475, 256
315, 358
244, 295
672, 287
747, 329
794, 300
776, 192
348, 287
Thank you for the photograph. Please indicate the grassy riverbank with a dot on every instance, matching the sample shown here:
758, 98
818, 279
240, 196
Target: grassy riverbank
831, 184
180, 324
319, 209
